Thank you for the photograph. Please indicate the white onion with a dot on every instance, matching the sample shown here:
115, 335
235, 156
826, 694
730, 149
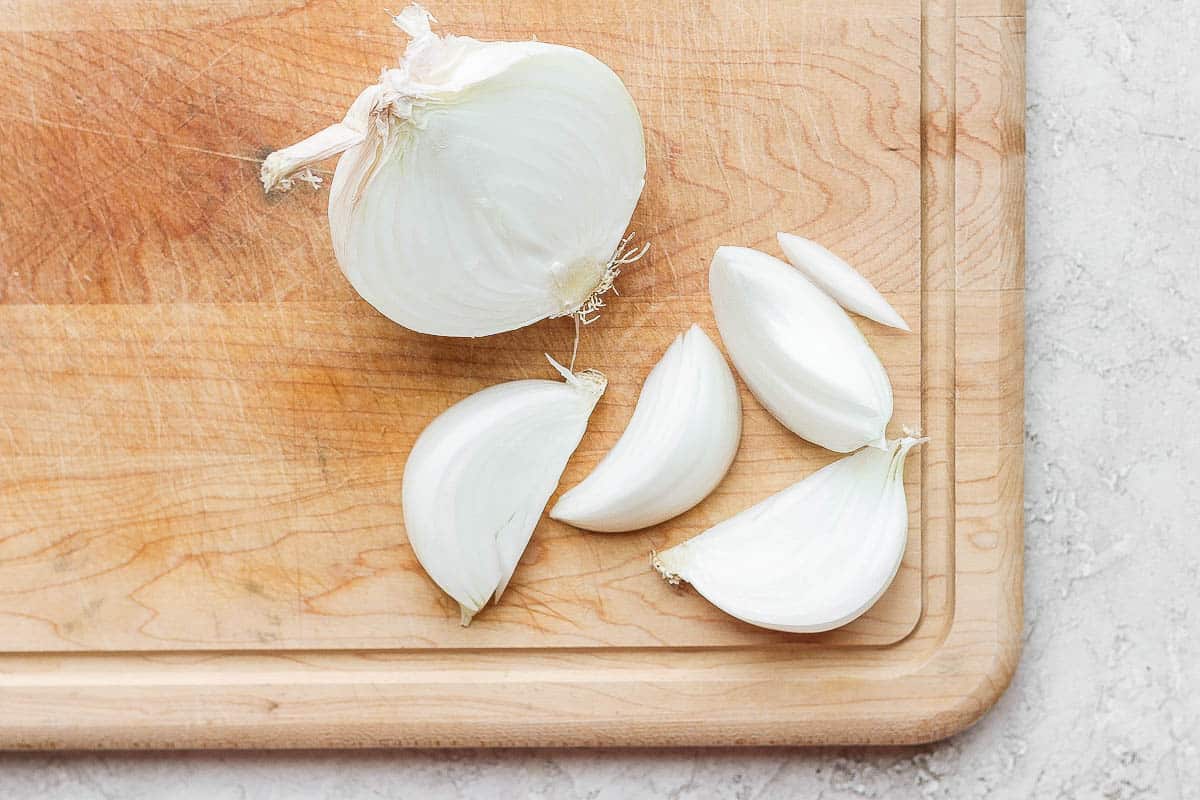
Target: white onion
813, 557
840, 281
479, 476
679, 444
484, 185
799, 353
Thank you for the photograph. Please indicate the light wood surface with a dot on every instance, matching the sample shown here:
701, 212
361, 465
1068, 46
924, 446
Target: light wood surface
203, 429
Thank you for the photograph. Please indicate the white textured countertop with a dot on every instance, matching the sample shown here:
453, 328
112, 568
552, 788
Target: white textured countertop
1106, 703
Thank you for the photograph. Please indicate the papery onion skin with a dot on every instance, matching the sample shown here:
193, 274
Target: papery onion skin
480, 475
839, 280
798, 352
491, 187
810, 558
679, 444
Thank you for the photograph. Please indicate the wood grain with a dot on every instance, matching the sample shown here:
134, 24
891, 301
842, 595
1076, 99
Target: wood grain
204, 429
267, 498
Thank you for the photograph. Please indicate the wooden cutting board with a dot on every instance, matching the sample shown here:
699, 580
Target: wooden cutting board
203, 429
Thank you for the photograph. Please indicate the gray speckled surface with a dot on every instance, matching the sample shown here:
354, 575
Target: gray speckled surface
1106, 703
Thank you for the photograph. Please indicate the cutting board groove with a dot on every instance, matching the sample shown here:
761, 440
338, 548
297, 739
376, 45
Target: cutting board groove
204, 429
